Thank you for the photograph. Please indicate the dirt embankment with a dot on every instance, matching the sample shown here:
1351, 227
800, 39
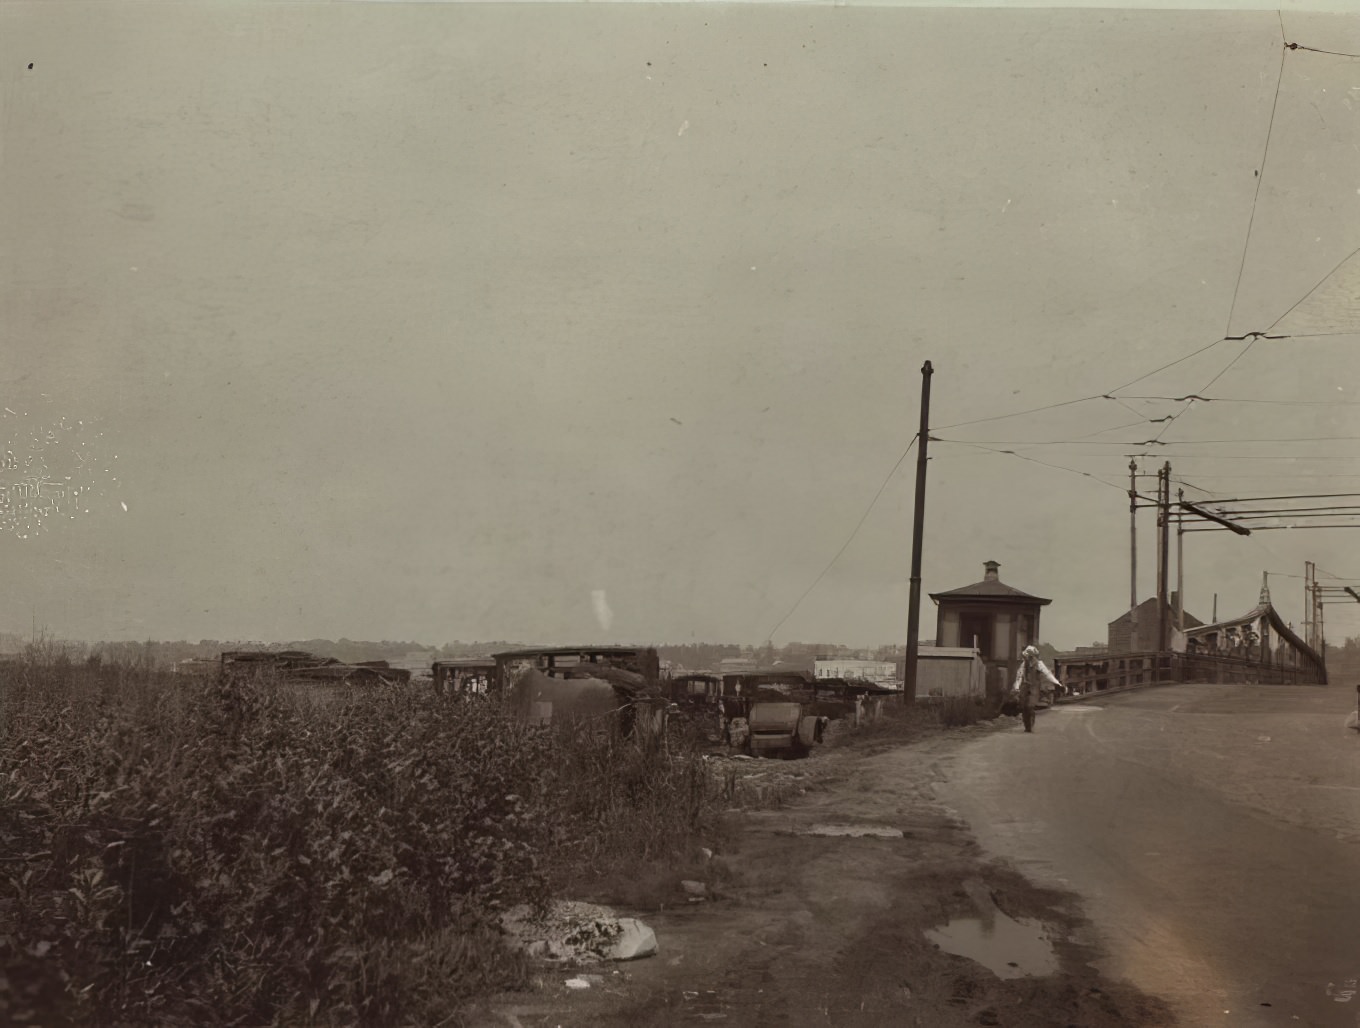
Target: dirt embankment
806, 929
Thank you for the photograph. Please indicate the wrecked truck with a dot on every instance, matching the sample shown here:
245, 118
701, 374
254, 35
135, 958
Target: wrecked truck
772, 713
782, 729
609, 684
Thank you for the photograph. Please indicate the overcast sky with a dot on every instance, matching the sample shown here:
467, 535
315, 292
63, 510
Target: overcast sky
605, 323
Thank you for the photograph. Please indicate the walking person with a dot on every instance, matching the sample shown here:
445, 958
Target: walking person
1032, 679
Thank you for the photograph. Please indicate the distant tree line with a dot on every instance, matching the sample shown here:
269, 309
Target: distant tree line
164, 654
1343, 662
694, 655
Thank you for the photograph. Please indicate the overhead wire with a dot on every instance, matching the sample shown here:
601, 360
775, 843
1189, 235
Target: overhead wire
1267, 476
1315, 50
1166, 421
1291, 496
1086, 441
1244, 456
1315, 288
1249, 338
1337, 577
1033, 460
1249, 399
1169, 364
1260, 178
1245, 350
1276, 528
1019, 413
851, 538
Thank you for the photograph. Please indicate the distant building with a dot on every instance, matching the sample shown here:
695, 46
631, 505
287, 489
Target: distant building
735, 665
1122, 640
880, 672
998, 619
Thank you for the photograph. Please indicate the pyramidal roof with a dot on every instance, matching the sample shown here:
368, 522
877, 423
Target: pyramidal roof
991, 587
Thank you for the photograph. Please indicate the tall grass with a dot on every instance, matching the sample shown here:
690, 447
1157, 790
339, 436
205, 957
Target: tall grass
899, 723
180, 852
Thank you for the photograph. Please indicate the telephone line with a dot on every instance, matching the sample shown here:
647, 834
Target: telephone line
851, 538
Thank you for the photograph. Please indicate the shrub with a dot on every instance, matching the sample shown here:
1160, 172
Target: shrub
957, 711
190, 852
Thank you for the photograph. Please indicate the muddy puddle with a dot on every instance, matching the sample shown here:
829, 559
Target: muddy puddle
999, 943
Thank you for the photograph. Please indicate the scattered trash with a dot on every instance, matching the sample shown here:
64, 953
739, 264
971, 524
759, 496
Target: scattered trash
694, 889
855, 831
573, 932
708, 853
576, 983
634, 942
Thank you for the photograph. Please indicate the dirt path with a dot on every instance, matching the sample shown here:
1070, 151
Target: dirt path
816, 930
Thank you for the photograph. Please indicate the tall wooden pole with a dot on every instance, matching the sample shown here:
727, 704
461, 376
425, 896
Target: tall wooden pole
1308, 606
1180, 568
918, 527
1163, 568
1161, 583
1133, 556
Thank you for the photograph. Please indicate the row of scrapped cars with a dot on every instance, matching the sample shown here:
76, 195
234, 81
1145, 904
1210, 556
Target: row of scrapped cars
769, 712
772, 712
544, 685
300, 666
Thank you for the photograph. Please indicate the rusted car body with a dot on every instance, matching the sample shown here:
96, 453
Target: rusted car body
464, 675
577, 662
773, 712
300, 666
783, 728
623, 683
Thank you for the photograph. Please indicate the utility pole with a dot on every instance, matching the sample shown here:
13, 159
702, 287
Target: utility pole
1318, 628
1164, 552
1321, 633
1133, 555
1161, 513
1309, 602
918, 527
1180, 567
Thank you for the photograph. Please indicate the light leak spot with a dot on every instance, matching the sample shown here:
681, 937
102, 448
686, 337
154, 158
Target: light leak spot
50, 469
603, 613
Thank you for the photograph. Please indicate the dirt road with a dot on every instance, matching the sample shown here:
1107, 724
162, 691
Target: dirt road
831, 929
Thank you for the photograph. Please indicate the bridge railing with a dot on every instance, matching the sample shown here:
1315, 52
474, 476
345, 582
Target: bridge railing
1086, 675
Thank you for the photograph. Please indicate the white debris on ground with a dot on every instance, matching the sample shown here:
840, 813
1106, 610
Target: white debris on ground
696, 891
578, 933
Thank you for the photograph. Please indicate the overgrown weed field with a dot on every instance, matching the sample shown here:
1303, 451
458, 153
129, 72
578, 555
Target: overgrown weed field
177, 851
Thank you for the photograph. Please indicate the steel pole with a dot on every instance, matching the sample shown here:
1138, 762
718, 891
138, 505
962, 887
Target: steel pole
917, 529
